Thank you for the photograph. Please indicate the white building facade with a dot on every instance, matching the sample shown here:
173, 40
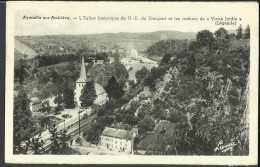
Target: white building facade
117, 139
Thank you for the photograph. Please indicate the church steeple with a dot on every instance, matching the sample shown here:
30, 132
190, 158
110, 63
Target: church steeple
82, 77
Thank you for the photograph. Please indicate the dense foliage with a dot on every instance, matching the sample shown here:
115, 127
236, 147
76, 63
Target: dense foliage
23, 123
58, 139
200, 87
68, 94
88, 95
164, 47
203, 88
114, 89
47, 60
140, 74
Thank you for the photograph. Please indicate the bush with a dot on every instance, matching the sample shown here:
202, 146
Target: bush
145, 125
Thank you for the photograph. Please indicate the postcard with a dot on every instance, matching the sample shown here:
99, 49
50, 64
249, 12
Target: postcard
132, 83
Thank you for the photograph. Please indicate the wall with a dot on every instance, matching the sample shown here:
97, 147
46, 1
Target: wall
116, 143
79, 87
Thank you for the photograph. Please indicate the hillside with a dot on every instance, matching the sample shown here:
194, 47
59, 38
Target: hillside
169, 46
194, 98
70, 44
154, 36
201, 91
23, 51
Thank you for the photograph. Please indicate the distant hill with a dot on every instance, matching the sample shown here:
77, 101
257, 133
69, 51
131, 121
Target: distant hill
23, 51
157, 35
60, 44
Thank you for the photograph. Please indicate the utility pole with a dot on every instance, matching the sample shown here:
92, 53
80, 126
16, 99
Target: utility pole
79, 119
79, 123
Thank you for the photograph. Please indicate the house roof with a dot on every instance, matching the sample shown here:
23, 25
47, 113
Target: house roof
35, 100
118, 133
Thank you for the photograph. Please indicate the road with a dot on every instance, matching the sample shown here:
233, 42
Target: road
137, 62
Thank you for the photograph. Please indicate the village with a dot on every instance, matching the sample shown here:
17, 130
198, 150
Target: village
111, 140
130, 93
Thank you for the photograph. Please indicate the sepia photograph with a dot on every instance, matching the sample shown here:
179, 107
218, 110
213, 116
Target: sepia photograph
129, 82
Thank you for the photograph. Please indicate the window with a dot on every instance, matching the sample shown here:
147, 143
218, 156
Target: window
115, 142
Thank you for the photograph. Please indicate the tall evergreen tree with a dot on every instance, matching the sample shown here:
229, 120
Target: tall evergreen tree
191, 65
239, 32
247, 32
88, 94
23, 124
68, 95
58, 139
114, 89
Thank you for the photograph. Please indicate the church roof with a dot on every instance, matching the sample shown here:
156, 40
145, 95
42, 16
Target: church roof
118, 133
82, 77
99, 89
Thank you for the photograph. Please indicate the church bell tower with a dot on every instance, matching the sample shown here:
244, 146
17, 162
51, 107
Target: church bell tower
81, 82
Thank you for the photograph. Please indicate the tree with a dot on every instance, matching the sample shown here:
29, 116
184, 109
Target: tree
120, 72
20, 70
68, 95
88, 94
239, 32
247, 32
58, 139
114, 89
166, 58
231, 36
131, 119
154, 75
58, 99
221, 33
23, 122
159, 109
145, 125
205, 38
92, 134
193, 45
141, 74
101, 112
55, 77
180, 131
191, 65
35, 144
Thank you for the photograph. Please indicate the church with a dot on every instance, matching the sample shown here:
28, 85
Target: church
101, 95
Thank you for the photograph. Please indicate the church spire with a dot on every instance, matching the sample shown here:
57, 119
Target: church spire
82, 77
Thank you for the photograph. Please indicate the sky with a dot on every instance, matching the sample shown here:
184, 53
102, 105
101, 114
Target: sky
26, 27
